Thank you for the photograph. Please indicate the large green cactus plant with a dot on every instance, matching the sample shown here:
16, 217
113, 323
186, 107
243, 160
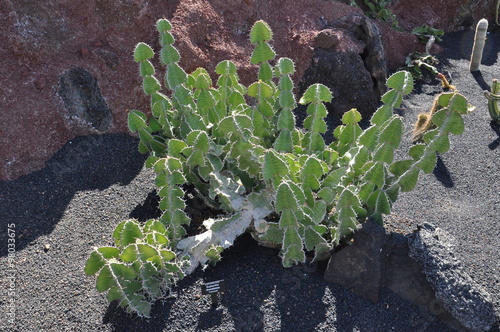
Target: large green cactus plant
281, 183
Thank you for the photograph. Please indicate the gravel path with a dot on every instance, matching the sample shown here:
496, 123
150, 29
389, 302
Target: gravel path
57, 214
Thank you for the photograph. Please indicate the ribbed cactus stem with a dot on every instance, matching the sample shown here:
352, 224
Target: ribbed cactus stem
493, 98
496, 12
479, 40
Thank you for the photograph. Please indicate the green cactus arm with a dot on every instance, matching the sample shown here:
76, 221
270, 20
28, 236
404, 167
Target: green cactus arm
448, 120
228, 85
315, 96
170, 178
493, 97
264, 89
400, 84
264, 111
140, 269
286, 119
260, 34
345, 219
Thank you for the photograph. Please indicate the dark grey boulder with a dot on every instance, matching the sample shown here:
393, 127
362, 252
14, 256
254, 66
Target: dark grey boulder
83, 99
404, 276
432, 278
434, 249
359, 266
349, 59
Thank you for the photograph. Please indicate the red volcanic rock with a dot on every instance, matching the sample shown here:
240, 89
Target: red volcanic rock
42, 40
40, 83
336, 39
84, 52
446, 15
398, 44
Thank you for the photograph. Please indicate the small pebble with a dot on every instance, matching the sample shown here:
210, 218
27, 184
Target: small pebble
84, 52
40, 83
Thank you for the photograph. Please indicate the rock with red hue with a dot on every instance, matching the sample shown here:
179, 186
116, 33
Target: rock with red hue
446, 15
398, 45
48, 39
84, 52
40, 83
45, 39
350, 61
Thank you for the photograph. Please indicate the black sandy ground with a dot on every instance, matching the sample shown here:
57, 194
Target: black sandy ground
58, 214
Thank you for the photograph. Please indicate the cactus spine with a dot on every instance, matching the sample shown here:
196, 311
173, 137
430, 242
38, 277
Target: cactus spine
424, 122
479, 40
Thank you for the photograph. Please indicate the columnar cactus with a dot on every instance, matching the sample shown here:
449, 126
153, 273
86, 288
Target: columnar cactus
493, 98
283, 184
479, 40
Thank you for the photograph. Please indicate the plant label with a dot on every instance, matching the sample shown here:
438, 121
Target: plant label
213, 288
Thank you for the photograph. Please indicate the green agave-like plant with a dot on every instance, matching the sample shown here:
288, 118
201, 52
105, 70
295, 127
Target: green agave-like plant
282, 184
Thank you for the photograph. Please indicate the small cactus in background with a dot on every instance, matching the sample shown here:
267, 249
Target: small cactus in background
493, 98
241, 150
445, 84
496, 12
479, 40
424, 122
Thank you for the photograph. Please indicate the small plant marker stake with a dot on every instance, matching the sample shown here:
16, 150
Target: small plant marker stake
213, 288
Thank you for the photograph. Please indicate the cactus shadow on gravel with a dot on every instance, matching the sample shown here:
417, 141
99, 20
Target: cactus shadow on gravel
84, 163
496, 128
442, 174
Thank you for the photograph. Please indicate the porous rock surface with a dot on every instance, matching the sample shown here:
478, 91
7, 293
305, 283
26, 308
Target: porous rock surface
419, 267
41, 41
350, 60
434, 249
446, 15
359, 265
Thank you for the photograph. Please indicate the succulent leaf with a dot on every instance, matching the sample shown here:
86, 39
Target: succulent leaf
163, 25
401, 81
285, 66
143, 52
136, 121
169, 54
175, 75
260, 32
273, 166
316, 93
351, 117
